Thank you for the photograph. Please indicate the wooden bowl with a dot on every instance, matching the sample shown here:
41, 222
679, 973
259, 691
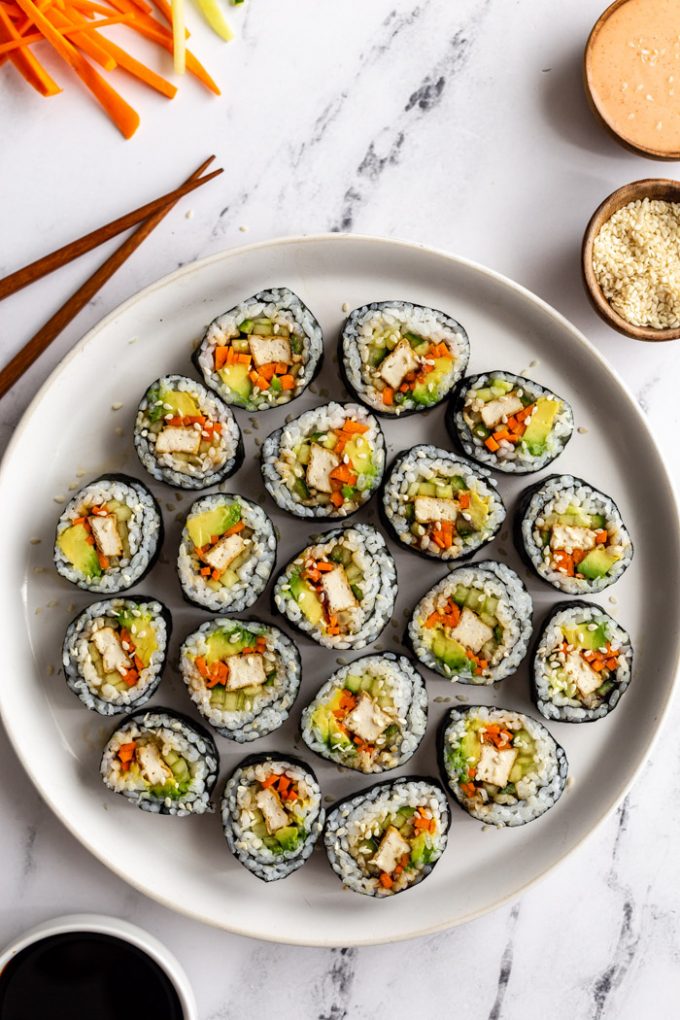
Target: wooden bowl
599, 113
652, 188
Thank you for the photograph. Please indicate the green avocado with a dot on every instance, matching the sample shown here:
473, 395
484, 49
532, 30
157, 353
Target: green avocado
597, 563
428, 391
220, 645
538, 429
202, 527
478, 510
143, 634
183, 404
236, 378
360, 454
581, 637
421, 849
288, 837
307, 599
74, 544
451, 653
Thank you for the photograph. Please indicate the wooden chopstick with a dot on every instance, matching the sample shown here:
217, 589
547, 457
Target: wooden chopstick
23, 360
56, 259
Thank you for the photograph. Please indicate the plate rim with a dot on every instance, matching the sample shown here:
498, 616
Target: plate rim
530, 298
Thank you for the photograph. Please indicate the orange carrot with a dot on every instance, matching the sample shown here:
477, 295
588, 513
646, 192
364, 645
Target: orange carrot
287, 382
221, 357
601, 537
388, 396
491, 444
386, 880
83, 41
27, 65
464, 500
234, 529
336, 499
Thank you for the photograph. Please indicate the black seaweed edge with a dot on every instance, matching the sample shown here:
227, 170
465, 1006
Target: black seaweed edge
389, 527
333, 518
370, 655
254, 297
345, 377
560, 607
456, 401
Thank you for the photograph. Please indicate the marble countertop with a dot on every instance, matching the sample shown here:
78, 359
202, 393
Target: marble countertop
462, 126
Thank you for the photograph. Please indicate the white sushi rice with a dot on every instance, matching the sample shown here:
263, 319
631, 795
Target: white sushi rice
379, 587
249, 850
512, 459
185, 739
393, 318
280, 467
144, 532
83, 677
536, 792
420, 465
554, 698
253, 573
406, 690
514, 612
352, 820
270, 707
219, 461
553, 496
281, 306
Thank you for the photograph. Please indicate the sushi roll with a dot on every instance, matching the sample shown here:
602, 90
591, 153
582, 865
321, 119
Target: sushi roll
109, 535
186, 436
370, 715
389, 837
582, 663
326, 463
262, 353
572, 535
114, 653
340, 591
439, 505
398, 358
473, 626
227, 552
503, 767
272, 814
162, 762
243, 676
508, 422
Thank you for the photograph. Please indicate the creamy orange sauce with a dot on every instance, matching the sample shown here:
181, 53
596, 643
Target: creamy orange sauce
633, 70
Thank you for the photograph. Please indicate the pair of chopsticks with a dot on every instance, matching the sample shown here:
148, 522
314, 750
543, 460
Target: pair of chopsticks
149, 215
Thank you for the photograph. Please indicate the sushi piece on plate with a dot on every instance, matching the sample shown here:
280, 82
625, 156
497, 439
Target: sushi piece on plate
326, 463
370, 715
572, 535
504, 768
262, 353
242, 675
440, 505
474, 625
398, 358
582, 664
109, 535
162, 762
185, 435
272, 814
340, 590
114, 653
508, 422
389, 837
227, 551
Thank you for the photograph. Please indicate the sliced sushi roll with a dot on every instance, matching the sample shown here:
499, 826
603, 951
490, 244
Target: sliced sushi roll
340, 590
582, 663
572, 535
243, 676
473, 626
439, 505
162, 762
389, 837
114, 653
109, 535
227, 552
503, 767
509, 422
272, 814
370, 715
186, 436
326, 463
397, 357
262, 353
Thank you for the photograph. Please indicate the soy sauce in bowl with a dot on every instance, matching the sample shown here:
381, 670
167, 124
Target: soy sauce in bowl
85, 975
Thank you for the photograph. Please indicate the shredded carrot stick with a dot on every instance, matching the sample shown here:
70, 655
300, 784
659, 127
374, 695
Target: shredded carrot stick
25, 62
491, 444
287, 382
234, 529
388, 396
81, 40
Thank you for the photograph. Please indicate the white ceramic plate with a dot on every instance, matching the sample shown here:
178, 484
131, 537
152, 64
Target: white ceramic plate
76, 429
